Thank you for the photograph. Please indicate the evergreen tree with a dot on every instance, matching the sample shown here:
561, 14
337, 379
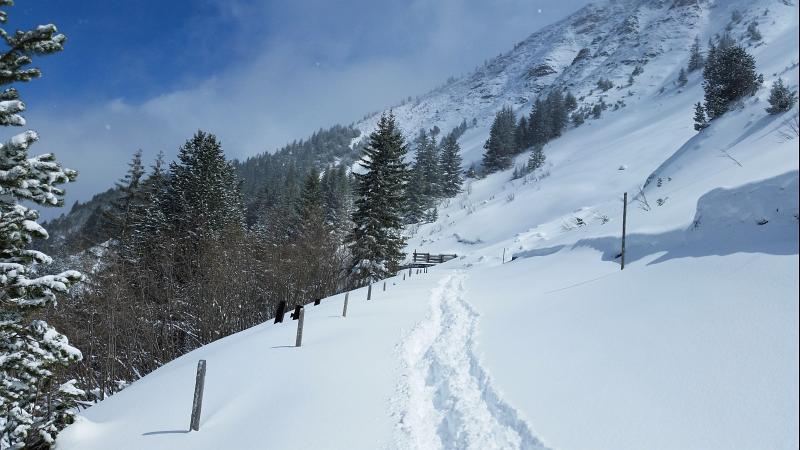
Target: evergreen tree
202, 201
33, 408
570, 102
682, 79
537, 158
729, 75
309, 206
695, 57
451, 166
119, 216
557, 113
521, 134
781, 98
376, 240
336, 193
539, 123
700, 121
501, 144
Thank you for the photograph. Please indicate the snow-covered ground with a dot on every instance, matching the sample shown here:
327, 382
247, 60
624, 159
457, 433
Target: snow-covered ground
693, 346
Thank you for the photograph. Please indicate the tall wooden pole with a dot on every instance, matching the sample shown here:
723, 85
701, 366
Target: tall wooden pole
346, 298
197, 403
624, 224
369, 291
299, 339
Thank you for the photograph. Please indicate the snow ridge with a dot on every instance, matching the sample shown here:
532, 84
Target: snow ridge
444, 399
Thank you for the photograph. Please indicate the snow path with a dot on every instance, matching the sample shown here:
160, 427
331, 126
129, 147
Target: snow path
444, 399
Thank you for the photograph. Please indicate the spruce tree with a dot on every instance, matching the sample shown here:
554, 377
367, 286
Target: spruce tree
682, 79
729, 74
695, 57
451, 166
537, 158
700, 121
501, 144
539, 123
376, 240
781, 98
33, 407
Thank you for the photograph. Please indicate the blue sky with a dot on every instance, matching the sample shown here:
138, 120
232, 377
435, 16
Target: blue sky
147, 74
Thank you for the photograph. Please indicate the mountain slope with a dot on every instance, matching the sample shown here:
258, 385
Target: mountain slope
693, 346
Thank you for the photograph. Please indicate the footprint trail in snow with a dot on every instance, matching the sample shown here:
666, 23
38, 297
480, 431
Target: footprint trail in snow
444, 399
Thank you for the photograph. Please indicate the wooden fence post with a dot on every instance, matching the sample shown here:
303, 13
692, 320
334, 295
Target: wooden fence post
346, 298
369, 291
281, 311
624, 223
384, 286
300, 328
504, 255
409, 272
404, 276
197, 403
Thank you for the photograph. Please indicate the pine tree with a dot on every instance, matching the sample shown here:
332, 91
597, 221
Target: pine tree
700, 121
501, 144
570, 102
376, 240
537, 158
119, 216
451, 166
32, 407
557, 113
539, 123
203, 193
781, 98
682, 79
729, 75
203, 202
521, 134
695, 57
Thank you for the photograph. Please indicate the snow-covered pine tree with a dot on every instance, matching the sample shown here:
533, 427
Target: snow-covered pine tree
557, 112
539, 123
336, 196
729, 74
522, 134
501, 144
33, 408
537, 158
695, 57
451, 166
119, 218
682, 79
376, 240
781, 98
700, 121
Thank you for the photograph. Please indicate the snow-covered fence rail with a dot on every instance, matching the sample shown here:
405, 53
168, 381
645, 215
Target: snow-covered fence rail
428, 258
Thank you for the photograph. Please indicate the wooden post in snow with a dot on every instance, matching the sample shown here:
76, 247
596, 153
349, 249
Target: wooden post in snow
504, 255
346, 298
384, 286
404, 276
369, 291
409, 272
197, 403
299, 339
624, 223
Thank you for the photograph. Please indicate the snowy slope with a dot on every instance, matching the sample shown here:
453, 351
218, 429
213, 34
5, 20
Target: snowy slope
693, 346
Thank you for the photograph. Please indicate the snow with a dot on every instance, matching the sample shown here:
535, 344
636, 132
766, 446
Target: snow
693, 346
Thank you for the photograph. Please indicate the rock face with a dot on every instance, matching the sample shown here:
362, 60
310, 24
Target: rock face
601, 41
